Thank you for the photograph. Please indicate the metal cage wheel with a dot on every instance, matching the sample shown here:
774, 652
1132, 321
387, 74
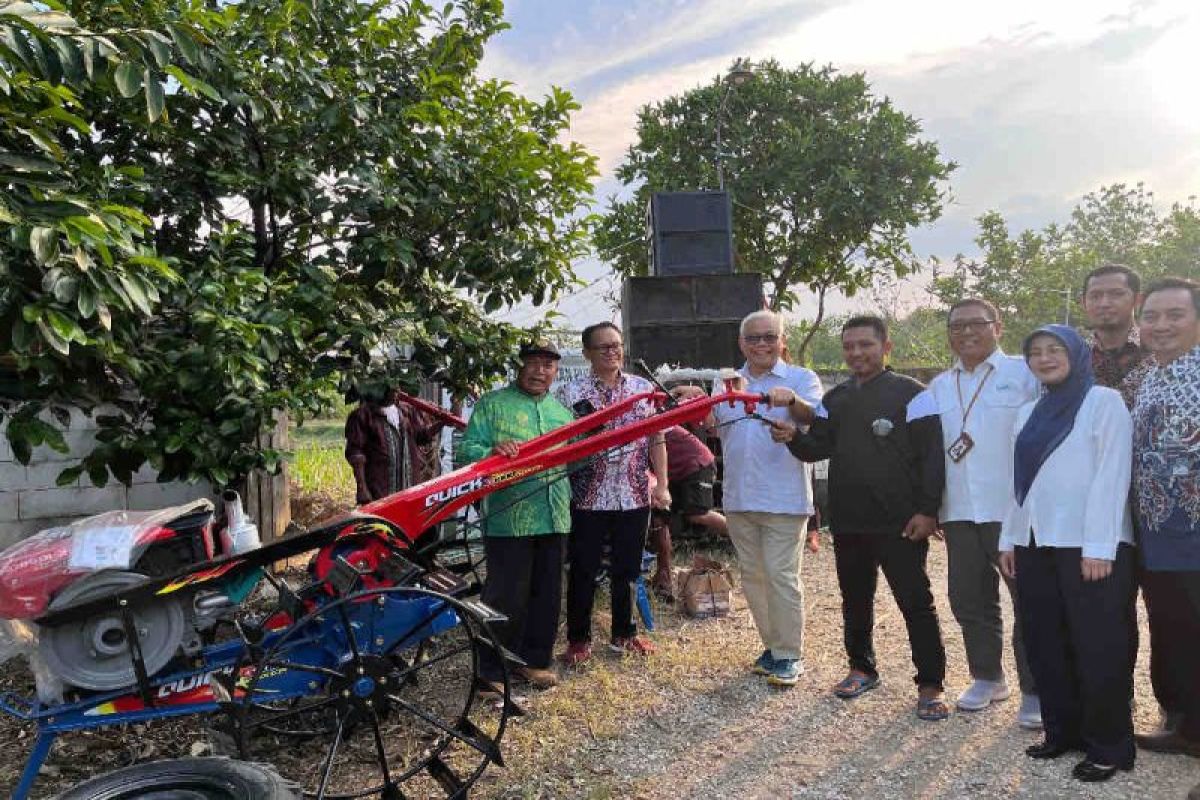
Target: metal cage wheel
462, 554
393, 675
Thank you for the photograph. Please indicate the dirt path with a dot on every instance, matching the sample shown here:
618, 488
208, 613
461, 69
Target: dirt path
739, 738
693, 723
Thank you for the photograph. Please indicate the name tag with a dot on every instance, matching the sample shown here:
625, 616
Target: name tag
959, 448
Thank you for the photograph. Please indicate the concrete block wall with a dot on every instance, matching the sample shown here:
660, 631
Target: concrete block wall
31, 499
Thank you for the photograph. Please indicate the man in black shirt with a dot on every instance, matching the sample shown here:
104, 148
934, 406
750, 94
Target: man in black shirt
881, 433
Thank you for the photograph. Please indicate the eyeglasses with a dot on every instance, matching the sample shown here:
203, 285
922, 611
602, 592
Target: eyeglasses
968, 325
765, 338
606, 348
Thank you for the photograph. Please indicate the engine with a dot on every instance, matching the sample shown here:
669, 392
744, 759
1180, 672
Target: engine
108, 553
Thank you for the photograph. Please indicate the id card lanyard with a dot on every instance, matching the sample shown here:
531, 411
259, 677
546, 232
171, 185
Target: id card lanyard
959, 448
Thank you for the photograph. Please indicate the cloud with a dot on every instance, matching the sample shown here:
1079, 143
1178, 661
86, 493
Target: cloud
607, 123
1038, 102
605, 39
1034, 127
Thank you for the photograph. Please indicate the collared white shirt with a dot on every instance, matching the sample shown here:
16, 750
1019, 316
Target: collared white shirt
980, 486
1078, 498
759, 473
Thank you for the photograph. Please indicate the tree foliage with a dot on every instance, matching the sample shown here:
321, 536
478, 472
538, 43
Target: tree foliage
1036, 277
918, 339
826, 178
272, 195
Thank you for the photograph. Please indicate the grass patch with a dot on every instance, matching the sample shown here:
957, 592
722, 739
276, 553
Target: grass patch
318, 462
322, 468
605, 698
322, 483
327, 431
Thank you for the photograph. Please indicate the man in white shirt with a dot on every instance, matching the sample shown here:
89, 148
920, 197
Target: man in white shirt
767, 495
978, 400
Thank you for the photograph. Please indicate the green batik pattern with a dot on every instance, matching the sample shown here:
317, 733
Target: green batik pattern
539, 504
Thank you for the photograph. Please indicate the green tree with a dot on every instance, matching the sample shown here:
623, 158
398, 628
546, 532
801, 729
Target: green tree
822, 346
78, 272
1035, 277
328, 183
826, 178
918, 339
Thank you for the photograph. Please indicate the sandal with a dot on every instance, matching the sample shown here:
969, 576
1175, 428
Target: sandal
855, 684
932, 709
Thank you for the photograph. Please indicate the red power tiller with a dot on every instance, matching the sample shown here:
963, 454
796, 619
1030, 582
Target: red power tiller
383, 635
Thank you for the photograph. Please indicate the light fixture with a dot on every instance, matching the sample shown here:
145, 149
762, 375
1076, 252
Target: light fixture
739, 75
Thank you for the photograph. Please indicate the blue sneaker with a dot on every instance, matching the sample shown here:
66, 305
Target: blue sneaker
765, 664
786, 672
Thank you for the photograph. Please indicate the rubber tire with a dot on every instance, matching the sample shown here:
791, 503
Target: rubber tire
191, 779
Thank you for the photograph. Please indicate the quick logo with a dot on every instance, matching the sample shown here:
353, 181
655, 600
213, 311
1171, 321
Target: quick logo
451, 492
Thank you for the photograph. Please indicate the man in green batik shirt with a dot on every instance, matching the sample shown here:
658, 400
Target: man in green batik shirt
524, 525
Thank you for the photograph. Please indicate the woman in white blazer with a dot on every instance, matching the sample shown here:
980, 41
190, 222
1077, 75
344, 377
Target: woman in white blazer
1068, 541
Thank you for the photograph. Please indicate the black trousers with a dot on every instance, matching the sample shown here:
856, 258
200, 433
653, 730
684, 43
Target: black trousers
1173, 605
1077, 639
859, 558
524, 581
625, 532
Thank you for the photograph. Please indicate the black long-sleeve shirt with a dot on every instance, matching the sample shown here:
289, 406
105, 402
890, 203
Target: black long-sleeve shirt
883, 440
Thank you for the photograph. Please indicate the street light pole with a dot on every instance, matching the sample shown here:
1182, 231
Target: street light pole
738, 75
720, 144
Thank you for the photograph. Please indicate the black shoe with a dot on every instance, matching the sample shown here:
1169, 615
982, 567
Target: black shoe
1090, 772
1047, 749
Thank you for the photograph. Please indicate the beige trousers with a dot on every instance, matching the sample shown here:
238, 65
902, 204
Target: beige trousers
768, 548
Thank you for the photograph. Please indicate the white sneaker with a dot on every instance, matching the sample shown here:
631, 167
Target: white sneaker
1030, 715
981, 694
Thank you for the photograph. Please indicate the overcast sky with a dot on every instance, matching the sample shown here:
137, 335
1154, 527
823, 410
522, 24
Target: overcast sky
1038, 101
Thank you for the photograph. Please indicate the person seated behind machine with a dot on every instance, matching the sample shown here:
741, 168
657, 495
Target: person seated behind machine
691, 471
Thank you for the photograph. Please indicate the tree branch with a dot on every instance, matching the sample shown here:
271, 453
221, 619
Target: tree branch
822, 288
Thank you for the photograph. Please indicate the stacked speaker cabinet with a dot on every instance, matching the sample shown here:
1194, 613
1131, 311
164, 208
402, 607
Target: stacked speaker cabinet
688, 320
687, 312
691, 233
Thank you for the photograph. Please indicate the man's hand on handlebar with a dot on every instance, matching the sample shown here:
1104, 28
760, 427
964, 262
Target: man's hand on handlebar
783, 397
507, 449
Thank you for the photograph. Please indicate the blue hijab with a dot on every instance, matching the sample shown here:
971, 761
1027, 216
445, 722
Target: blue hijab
1054, 415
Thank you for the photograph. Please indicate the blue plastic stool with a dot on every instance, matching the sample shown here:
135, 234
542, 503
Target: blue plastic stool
643, 604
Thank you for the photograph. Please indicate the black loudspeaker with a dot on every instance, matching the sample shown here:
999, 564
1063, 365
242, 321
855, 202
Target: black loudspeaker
698, 345
688, 320
691, 233
690, 298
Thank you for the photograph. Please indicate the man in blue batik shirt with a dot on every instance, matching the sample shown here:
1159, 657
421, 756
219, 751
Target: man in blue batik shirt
1166, 478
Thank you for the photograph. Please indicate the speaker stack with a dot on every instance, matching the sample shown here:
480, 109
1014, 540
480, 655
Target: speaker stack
687, 312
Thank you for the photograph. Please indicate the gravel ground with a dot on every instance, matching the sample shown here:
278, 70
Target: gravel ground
692, 722
736, 737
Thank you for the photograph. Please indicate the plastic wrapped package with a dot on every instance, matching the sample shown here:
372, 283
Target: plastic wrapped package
35, 568
92, 556
19, 637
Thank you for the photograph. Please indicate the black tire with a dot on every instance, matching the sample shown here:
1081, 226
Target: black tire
187, 779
